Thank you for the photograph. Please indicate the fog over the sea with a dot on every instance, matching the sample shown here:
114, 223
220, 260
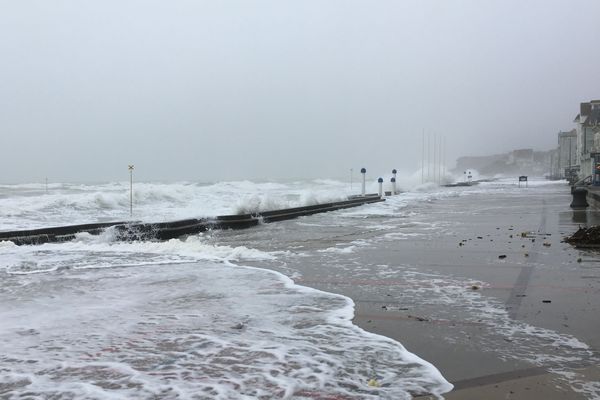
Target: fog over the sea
239, 89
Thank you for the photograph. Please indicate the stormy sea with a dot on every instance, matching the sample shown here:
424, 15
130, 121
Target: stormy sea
217, 315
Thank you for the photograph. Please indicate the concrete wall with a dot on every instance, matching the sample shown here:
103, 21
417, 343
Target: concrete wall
593, 197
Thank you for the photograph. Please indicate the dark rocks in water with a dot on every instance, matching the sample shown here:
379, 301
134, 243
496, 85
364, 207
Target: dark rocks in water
585, 237
502, 256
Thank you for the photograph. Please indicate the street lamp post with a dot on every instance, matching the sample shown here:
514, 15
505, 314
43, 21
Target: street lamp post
131, 190
363, 171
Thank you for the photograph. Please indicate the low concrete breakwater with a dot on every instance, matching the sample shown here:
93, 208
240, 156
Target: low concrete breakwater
132, 230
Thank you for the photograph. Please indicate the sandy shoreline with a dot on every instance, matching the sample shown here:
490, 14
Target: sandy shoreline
539, 280
479, 285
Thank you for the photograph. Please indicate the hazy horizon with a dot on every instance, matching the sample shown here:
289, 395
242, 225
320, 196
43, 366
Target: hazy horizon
270, 90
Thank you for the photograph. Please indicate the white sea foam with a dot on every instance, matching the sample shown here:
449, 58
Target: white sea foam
24, 208
339, 250
401, 235
89, 251
264, 202
177, 331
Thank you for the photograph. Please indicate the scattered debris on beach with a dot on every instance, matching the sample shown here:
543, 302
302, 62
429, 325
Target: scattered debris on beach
585, 237
394, 308
420, 319
374, 383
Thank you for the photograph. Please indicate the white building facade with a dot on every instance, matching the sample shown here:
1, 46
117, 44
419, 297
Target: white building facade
587, 127
567, 154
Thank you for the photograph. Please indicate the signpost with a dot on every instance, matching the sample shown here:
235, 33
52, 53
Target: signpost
468, 176
522, 178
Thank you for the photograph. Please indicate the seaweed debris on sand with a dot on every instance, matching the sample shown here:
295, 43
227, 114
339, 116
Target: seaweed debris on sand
585, 237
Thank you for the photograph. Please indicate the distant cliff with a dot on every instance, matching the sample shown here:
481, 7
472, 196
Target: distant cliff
516, 162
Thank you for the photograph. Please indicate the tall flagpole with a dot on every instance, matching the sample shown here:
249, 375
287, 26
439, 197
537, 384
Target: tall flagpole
435, 157
423, 158
444, 159
428, 156
440, 161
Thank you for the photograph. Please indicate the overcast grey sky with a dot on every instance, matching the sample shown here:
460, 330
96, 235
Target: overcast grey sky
223, 90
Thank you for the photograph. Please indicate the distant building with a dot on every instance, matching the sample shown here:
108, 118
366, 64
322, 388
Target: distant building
587, 126
567, 154
554, 172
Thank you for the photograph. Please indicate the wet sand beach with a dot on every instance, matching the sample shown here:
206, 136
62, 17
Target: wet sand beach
541, 282
479, 285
